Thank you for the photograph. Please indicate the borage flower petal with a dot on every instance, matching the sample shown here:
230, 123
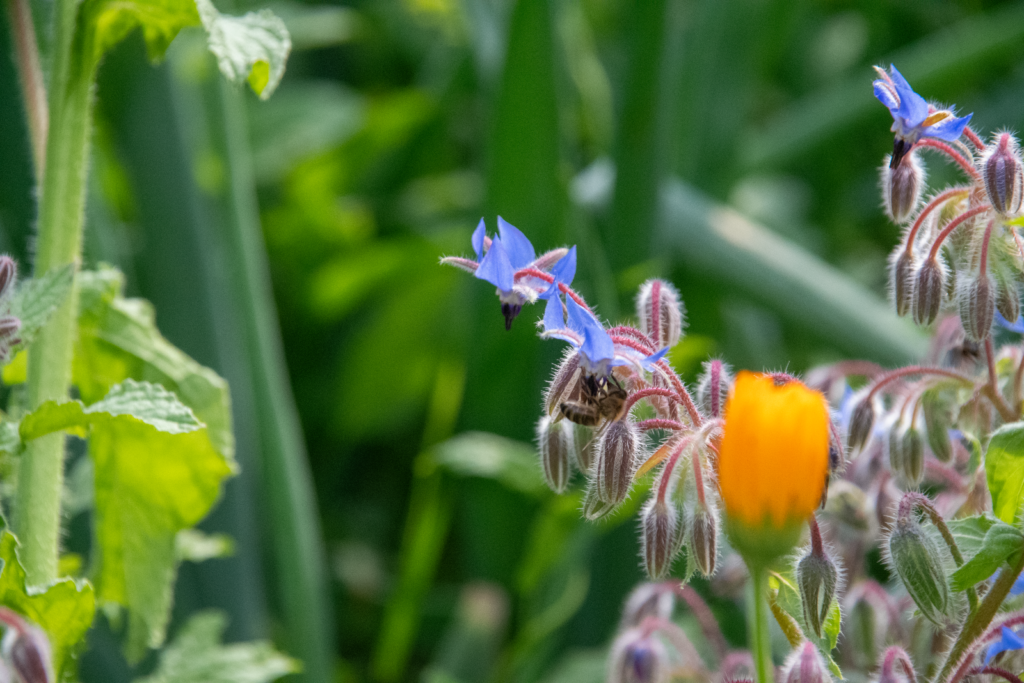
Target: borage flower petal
1008, 641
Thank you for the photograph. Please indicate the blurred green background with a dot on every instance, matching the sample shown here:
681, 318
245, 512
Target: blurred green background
391, 520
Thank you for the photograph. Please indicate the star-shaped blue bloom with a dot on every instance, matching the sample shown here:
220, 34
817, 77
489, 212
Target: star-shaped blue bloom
499, 259
1008, 640
911, 117
597, 350
1016, 326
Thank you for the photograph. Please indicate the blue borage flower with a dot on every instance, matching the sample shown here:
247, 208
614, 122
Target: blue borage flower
913, 118
598, 353
503, 260
1008, 641
1016, 326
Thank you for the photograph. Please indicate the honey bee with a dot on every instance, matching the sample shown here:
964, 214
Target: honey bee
600, 398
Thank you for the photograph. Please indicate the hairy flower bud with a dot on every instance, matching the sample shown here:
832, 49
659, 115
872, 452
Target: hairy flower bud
977, 302
928, 287
713, 387
861, 423
659, 524
648, 600
938, 419
916, 559
903, 280
638, 657
1008, 300
913, 457
901, 187
556, 443
566, 385
805, 665
8, 274
616, 461
26, 648
585, 440
818, 577
1003, 174
661, 312
704, 539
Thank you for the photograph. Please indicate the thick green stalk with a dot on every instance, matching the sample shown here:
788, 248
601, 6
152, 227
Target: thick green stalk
760, 640
40, 479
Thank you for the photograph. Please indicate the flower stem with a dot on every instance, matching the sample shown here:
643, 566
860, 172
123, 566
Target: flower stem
61, 213
760, 641
979, 621
30, 73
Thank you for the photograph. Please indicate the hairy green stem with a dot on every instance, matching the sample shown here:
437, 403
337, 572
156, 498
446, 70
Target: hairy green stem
979, 621
41, 475
760, 644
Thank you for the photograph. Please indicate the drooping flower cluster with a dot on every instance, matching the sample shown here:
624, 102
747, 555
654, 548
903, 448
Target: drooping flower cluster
764, 456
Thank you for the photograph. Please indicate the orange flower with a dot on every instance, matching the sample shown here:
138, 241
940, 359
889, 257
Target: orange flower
773, 458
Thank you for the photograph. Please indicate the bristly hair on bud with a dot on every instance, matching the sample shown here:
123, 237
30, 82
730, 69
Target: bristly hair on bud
26, 648
901, 277
638, 656
861, 423
566, 385
1007, 299
818, 576
805, 665
928, 289
659, 533
615, 461
901, 186
648, 600
556, 442
704, 538
977, 302
917, 560
661, 312
8, 275
713, 387
1003, 173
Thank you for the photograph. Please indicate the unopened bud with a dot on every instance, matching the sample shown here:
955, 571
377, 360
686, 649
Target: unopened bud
26, 648
901, 187
928, 289
659, 524
8, 274
977, 302
661, 312
1003, 173
566, 385
913, 457
713, 387
593, 507
556, 443
616, 461
704, 539
638, 657
649, 600
861, 423
938, 419
805, 665
818, 578
916, 559
903, 280
586, 446
1008, 300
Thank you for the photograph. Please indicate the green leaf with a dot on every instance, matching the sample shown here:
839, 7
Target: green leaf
148, 403
1001, 541
833, 624
1004, 468
64, 610
150, 485
195, 546
478, 454
197, 655
37, 298
251, 48
118, 339
110, 21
